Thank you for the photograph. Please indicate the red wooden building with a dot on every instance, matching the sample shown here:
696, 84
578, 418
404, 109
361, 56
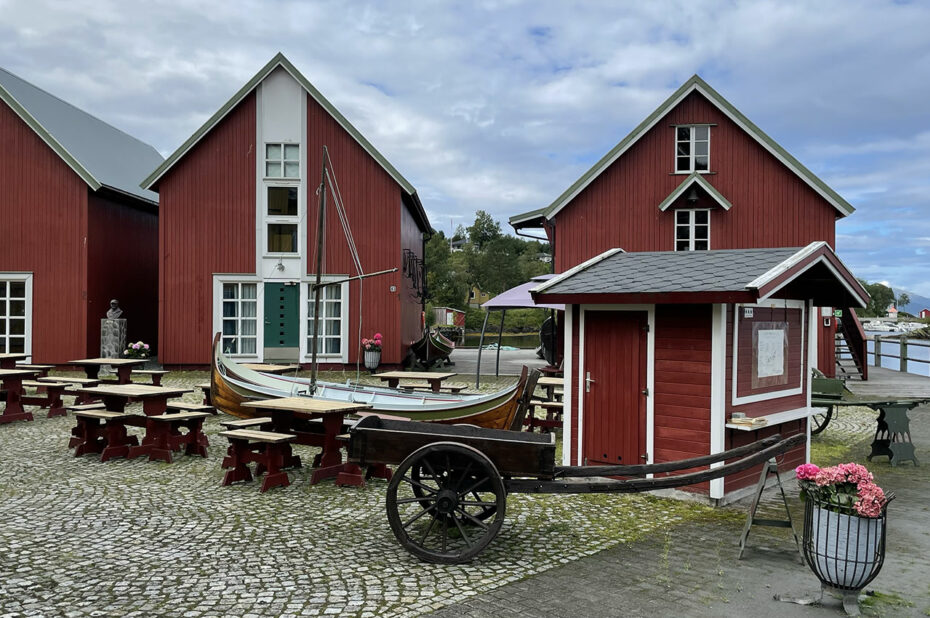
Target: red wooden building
238, 233
696, 175
694, 187
664, 348
77, 229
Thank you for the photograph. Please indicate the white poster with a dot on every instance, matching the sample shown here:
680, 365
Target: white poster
771, 353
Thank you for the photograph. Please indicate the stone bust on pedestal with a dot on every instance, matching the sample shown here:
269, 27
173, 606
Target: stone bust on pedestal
114, 312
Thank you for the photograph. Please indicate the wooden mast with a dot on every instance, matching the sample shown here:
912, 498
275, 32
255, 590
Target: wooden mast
317, 288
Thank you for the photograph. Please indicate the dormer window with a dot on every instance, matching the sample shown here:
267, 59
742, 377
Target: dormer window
692, 230
692, 149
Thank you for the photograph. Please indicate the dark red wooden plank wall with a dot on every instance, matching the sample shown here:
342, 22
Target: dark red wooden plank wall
411, 238
122, 262
772, 207
207, 212
786, 463
43, 210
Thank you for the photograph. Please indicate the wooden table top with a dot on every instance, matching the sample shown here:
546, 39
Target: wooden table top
414, 375
109, 361
85, 381
139, 391
17, 373
305, 404
265, 368
550, 381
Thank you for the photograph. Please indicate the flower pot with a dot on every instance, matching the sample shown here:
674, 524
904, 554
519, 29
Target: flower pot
372, 359
844, 551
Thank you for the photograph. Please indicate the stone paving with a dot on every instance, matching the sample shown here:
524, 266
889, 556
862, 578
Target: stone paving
138, 538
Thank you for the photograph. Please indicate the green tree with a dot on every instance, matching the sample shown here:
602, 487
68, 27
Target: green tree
881, 297
446, 281
903, 300
483, 230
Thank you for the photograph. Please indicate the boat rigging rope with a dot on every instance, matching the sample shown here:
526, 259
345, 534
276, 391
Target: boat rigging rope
353, 251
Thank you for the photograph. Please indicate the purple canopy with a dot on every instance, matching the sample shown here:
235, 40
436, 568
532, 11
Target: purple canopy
519, 297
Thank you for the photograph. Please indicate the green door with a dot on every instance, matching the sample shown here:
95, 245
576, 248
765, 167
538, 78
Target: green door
282, 333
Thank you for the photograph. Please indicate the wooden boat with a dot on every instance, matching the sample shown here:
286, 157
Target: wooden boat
232, 384
432, 348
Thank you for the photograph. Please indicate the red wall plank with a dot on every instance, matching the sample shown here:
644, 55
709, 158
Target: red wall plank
207, 211
772, 207
43, 208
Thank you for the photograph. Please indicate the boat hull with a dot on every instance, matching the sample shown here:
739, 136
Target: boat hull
496, 411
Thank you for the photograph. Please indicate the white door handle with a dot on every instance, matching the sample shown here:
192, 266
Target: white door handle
588, 382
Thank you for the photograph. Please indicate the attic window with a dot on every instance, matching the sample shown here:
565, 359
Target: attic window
282, 160
692, 149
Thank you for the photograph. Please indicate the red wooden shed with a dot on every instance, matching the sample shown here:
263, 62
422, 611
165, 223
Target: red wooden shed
77, 228
238, 233
666, 347
696, 175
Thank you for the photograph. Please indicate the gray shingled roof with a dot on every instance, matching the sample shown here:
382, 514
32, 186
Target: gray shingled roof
97, 151
670, 271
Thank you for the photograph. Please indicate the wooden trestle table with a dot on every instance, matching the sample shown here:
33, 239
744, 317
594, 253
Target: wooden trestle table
435, 380
298, 416
123, 367
12, 380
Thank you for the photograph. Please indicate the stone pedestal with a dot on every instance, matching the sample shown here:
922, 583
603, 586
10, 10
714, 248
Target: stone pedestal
112, 339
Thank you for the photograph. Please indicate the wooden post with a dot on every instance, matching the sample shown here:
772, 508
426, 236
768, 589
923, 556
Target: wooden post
903, 353
878, 351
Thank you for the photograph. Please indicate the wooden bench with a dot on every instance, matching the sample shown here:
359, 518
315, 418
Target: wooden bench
267, 449
42, 369
50, 398
80, 382
553, 418
164, 435
186, 406
245, 423
155, 374
101, 431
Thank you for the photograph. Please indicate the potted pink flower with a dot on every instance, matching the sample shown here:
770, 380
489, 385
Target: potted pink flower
844, 526
372, 351
137, 350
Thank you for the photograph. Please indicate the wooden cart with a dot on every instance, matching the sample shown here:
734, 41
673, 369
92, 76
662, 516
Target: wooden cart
447, 498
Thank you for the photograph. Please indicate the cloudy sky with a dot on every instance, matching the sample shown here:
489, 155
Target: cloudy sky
502, 105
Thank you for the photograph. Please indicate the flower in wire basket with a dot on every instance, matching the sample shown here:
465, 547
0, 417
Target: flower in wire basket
373, 344
845, 488
138, 349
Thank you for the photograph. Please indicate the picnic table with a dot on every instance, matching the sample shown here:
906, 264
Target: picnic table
892, 427
12, 380
123, 367
294, 415
275, 369
160, 437
435, 380
550, 384
8, 359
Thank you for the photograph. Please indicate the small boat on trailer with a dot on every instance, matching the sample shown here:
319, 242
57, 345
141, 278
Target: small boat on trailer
231, 385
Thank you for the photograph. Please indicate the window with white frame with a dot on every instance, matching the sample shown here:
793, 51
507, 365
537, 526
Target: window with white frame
14, 313
330, 322
240, 318
282, 219
692, 230
692, 148
282, 160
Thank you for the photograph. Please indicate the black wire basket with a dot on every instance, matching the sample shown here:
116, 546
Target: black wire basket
845, 552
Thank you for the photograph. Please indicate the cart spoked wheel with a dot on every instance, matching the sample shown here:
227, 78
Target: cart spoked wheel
820, 420
446, 502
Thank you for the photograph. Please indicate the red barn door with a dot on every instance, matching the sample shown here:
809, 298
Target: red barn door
614, 384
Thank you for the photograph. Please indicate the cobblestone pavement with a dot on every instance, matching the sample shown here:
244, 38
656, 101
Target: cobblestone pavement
138, 538
691, 569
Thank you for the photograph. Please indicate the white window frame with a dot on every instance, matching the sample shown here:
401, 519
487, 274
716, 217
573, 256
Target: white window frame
691, 142
218, 282
691, 225
282, 161
306, 298
268, 220
25, 277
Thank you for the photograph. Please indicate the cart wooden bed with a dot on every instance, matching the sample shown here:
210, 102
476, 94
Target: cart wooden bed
447, 499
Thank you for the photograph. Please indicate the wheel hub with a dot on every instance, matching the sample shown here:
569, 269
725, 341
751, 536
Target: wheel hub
446, 501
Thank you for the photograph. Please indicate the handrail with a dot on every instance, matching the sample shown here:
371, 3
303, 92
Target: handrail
855, 338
